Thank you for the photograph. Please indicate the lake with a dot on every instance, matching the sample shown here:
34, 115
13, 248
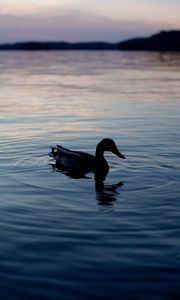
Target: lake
61, 238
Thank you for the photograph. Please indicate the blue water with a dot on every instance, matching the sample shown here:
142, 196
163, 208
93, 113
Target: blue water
60, 237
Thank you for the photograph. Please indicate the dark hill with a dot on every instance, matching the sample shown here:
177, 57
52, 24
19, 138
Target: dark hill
163, 41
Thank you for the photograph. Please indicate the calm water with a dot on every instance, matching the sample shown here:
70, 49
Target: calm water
60, 238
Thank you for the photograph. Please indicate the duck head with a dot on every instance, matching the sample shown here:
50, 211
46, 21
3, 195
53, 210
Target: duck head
108, 145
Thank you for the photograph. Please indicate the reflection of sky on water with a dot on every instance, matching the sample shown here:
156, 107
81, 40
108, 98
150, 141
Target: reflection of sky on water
61, 85
62, 92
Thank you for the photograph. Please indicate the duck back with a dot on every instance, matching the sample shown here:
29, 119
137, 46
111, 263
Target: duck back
73, 162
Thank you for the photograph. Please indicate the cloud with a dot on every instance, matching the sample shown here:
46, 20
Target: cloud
59, 23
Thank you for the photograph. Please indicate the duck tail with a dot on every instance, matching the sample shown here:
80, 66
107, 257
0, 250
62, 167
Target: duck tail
54, 151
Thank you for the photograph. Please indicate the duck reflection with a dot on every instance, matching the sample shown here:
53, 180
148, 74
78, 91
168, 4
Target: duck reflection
106, 194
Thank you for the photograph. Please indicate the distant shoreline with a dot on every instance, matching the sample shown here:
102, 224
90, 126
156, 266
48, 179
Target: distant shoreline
59, 46
162, 41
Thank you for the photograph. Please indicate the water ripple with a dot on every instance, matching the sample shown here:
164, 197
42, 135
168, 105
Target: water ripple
70, 239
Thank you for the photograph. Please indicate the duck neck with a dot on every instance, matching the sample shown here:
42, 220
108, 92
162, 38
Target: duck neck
99, 152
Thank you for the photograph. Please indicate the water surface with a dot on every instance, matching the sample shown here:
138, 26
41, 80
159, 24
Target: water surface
61, 238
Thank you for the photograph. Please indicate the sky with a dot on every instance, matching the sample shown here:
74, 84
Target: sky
85, 20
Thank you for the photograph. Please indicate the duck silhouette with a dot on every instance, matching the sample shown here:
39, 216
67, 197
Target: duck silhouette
77, 163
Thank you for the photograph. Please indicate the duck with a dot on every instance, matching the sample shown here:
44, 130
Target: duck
78, 163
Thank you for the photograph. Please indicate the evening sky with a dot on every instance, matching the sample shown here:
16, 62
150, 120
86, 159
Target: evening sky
85, 20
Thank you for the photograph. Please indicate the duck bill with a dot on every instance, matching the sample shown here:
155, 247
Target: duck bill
118, 153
